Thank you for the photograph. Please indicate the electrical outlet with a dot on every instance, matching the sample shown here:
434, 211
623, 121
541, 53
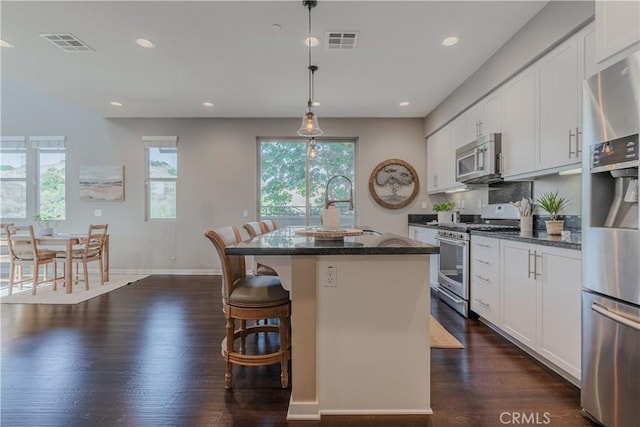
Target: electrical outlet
97, 212
461, 203
479, 203
424, 205
245, 214
331, 276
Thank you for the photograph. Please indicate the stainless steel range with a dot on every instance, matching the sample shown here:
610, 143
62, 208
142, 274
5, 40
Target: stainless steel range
453, 274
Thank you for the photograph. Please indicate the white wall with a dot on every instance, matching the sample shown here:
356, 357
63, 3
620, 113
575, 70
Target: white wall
217, 174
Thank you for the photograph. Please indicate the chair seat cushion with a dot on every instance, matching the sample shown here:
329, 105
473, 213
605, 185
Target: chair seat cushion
42, 254
265, 270
77, 253
258, 291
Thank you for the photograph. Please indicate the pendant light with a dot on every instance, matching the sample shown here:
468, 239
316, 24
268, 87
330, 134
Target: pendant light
313, 150
310, 125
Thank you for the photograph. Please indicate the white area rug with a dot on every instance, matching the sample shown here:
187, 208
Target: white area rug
46, 294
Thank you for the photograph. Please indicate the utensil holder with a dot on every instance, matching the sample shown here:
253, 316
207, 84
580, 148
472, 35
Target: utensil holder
526, 223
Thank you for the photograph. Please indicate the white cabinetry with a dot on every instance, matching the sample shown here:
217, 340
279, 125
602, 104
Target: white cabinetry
484, 117
485, 278
559, 97
519, 129
617, 27
440, 162
428, 235
541, 300
588, 41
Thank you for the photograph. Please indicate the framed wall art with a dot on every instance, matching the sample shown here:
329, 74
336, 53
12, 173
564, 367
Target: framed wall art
101, 183
394, 183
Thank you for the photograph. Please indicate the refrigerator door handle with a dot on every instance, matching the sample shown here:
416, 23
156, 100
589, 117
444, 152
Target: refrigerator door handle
615, 317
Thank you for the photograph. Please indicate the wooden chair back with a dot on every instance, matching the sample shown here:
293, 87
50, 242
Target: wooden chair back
268, 225
253, 228
233, 266
22, 242
94, 245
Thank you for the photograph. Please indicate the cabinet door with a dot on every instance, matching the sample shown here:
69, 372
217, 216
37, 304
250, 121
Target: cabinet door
617, 27
485, 278
437, 150
518, 291
491, 117
519, 127
558, 102
560, 282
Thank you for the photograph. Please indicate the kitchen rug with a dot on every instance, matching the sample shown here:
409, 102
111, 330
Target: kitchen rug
441, 338
46, 294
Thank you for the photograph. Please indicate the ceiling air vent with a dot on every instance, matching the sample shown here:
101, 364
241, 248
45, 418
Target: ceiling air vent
342, 40
67, 42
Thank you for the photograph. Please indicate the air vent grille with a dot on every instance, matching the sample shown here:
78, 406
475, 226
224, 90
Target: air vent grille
342, 40
67, 42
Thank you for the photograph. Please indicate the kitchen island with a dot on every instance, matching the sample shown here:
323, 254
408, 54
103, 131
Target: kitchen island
360, 321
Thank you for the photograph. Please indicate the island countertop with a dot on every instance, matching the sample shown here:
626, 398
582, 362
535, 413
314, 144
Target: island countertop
284, 241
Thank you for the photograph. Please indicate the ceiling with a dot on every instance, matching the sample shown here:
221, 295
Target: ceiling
228, 53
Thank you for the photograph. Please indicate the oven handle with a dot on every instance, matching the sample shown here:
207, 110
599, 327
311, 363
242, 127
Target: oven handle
615, 317
462, 243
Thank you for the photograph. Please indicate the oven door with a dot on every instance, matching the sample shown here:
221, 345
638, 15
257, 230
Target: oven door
453, 273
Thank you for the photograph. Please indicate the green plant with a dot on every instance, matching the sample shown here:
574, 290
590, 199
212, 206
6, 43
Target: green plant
552, 203
45, 221
446, 206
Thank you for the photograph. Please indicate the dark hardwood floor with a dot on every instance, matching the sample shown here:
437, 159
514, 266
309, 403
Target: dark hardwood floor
148, 354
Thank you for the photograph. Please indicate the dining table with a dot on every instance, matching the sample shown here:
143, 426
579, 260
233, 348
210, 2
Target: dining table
68, 240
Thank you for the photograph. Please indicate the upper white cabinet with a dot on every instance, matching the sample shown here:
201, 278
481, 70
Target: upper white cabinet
558, 105
589, 63
617, 27
483, 118
440, 162
519, 129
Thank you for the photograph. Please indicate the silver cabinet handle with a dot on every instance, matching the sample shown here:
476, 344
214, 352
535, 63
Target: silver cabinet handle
483, 303
482, 245
482, 278
578, 150
481, 261
571, 135
535, 265
529, 265
615, 317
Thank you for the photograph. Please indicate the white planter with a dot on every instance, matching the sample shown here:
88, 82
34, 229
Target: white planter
445, 216
46, 231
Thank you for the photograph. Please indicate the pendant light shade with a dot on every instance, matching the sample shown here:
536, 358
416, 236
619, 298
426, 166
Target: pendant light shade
313, 150
310, 127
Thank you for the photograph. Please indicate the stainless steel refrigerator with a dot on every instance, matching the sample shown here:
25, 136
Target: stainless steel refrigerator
610, 386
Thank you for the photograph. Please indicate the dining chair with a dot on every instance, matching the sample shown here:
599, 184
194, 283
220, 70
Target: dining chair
250, 298
253, 228
24, 251
89, 249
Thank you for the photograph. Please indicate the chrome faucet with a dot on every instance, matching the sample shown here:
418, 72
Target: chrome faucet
328, 202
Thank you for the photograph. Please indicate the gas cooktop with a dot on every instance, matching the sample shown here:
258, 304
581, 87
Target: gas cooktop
466, 227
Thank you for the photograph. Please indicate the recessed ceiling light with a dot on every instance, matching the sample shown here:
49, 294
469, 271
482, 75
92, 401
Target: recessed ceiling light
116, 103
276, 27
450, 41
315, 104
207, 104
5, 44
404, 103
311, 41
148, 44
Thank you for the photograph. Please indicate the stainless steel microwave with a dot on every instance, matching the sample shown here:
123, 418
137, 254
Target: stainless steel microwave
479, 161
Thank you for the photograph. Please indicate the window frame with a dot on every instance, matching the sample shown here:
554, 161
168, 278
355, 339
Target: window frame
18, 144
159, 142
308, 219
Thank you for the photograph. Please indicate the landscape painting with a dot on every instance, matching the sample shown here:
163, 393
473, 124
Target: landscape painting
101, 183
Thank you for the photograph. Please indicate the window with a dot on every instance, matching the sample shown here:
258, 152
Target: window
50, 176
44, 165
292, 185
13, 178
161, 176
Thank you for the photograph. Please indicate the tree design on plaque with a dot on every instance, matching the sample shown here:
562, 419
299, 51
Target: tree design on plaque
393, 183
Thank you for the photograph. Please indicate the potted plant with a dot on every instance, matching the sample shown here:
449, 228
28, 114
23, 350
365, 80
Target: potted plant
444, 211
46, 224
553, 203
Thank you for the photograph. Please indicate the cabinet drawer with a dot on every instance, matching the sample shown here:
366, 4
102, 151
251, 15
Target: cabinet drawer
485, 300
484, 276
485, 252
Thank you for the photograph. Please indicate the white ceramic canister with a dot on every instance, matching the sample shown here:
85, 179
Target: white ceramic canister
330, 218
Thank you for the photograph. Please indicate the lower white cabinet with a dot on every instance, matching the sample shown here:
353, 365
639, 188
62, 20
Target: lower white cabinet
485, 278
541, 288
428, 235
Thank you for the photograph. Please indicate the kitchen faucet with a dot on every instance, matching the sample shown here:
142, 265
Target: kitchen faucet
328, 202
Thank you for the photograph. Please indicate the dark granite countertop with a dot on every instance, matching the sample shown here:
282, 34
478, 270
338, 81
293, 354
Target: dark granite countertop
284, 241
574, 241
538, 237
